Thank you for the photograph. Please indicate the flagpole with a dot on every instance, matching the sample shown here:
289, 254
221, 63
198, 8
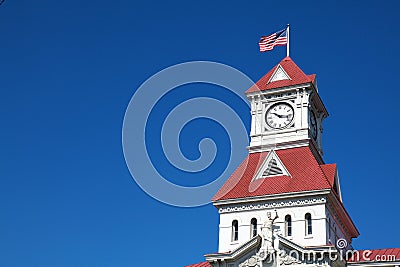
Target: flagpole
288, 41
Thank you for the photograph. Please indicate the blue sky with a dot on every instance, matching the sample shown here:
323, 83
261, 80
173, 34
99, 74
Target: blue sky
68, 70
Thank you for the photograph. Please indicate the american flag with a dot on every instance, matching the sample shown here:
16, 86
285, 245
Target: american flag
268, 43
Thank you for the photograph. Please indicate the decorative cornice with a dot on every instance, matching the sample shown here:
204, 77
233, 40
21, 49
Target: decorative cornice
274, 197
303, 86
282, 145
273, 204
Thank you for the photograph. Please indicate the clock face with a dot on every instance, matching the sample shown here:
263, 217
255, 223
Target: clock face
313, 125
279, 115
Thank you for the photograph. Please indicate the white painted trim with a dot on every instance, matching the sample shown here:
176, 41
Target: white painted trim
336, 180
255, 241
281, 89
286, 145
272, 197
235, 208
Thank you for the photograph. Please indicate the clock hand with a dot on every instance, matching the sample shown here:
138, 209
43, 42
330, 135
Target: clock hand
280, 116
286, 116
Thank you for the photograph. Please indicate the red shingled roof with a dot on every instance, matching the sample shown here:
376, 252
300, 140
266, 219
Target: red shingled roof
306, 175
376, 255
201, 264
330, 172
297, 76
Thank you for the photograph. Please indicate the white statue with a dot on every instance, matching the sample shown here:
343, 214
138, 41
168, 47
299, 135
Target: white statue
267, 231
267, 245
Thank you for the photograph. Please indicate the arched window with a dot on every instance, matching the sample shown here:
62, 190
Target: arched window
235, 230
288, 225
253, 227
308, 224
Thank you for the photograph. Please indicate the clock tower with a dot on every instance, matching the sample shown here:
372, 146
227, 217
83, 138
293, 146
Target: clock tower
283, 205
286, 110
284, 173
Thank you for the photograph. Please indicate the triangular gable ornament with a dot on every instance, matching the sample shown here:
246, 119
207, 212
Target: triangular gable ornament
279, 74
272, 166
